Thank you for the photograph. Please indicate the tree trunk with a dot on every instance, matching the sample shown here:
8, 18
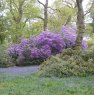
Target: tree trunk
17, 18
45, 15
45, 19
80, 24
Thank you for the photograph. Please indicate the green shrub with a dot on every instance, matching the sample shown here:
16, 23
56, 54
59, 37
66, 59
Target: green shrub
21, 61
90, 43
69, 63
87, 54
5, 60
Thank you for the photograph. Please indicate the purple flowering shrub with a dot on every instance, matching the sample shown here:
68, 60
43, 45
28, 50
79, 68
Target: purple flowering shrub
84, 44
39, 48
69, 36
14, 51
51, 40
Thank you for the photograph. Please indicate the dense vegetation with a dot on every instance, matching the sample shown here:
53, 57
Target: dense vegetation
69, 63
41, 47
57, 37
22, 42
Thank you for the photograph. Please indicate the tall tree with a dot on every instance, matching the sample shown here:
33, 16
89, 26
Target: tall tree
60, 13
45, 19
20, 13
80, 23
2, 26
16, 10
45, 15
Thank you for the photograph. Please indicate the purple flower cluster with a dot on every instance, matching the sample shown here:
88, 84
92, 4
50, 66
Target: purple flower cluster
41, 46
45, 44
43, 52
84, 44
53, 40
14, 50
69, 36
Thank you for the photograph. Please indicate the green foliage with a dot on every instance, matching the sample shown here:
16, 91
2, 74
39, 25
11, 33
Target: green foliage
91, 43
2, 30
5, 60
24, 62
61, 15
70, 63
89, 29
37, 27
19, 16
87, 55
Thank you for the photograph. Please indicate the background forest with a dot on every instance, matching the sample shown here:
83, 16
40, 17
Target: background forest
23, 18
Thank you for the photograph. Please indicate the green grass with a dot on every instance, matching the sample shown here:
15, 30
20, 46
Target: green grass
34, 85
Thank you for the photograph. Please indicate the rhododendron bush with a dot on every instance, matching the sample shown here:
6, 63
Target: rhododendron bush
45, 44
69, 34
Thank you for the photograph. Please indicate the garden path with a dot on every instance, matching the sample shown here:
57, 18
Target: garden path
19, 70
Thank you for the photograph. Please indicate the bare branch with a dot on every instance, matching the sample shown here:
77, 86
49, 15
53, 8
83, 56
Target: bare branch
54, 9
68, 3
51, 12
40, 17
88, 11
15, 4
25, 22
68, 20
41, 3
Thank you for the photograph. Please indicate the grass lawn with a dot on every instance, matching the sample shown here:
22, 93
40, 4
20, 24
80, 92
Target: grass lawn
33, 85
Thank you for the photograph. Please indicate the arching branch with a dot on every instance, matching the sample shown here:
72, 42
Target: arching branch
40, 2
